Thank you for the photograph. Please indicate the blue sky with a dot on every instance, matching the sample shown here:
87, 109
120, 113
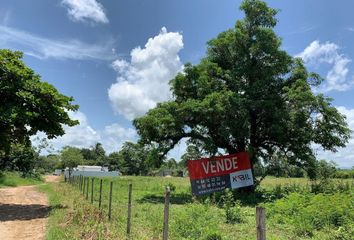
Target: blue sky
116, 57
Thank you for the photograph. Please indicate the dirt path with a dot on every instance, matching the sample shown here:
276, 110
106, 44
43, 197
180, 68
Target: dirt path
23, 213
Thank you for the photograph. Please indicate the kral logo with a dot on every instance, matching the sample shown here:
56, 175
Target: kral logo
241, 177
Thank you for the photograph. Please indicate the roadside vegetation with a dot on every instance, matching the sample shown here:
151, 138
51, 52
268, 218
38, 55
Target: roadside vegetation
14, 179
296, 209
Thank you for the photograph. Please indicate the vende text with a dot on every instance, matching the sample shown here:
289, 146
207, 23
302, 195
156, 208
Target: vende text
220, 166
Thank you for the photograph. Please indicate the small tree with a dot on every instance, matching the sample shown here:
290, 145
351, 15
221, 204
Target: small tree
192, 153
113, 160
71, 157
322, 170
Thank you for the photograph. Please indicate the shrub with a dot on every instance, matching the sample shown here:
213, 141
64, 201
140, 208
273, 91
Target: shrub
344, 174
344, 233
232, 208
32, 175
171, 186
308, 212
196, 221
330, 186
214, 236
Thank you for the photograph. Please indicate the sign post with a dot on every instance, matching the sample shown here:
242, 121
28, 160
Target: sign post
209, 175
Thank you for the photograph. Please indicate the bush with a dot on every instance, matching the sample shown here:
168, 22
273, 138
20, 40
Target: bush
308, 212
329, 186
232, 208
13, 179
171, 186
214, 236
344, 233
195, 221
32, 175
344, 174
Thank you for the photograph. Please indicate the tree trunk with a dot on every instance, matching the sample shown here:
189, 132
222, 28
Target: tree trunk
253, 146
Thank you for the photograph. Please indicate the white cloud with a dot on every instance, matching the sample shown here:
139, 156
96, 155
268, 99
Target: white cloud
345, 156
336, 79
143, 82
83, 135
85, 10
44, 48
115, 135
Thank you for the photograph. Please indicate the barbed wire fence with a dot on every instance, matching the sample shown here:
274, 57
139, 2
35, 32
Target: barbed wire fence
95, 194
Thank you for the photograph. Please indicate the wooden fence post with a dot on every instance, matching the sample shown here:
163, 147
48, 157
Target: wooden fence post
84, 185
129, 208
110, 202
92, 190
261, 225
87, 187
166, 213
100, 198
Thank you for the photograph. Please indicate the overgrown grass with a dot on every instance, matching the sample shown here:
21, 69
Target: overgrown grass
328, 215
13, 179
204, 219
71, 216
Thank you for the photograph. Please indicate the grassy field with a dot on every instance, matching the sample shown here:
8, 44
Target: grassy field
75, 218
13, 179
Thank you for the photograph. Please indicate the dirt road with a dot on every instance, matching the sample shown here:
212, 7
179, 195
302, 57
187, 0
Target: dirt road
23, 213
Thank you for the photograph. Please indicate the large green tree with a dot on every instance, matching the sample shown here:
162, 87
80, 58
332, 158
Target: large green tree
28, 105
247, 94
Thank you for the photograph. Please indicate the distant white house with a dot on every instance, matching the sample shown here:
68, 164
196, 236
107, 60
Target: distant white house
91, 168
91, 171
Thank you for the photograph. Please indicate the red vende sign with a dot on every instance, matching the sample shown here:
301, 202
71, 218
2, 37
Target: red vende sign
215, 174
221, 165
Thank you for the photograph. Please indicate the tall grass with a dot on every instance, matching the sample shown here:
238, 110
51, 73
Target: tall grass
13, 179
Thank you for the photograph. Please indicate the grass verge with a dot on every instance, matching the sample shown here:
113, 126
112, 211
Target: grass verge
72, 217
13, 179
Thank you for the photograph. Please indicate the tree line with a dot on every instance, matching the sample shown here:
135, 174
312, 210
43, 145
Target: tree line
131, 159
